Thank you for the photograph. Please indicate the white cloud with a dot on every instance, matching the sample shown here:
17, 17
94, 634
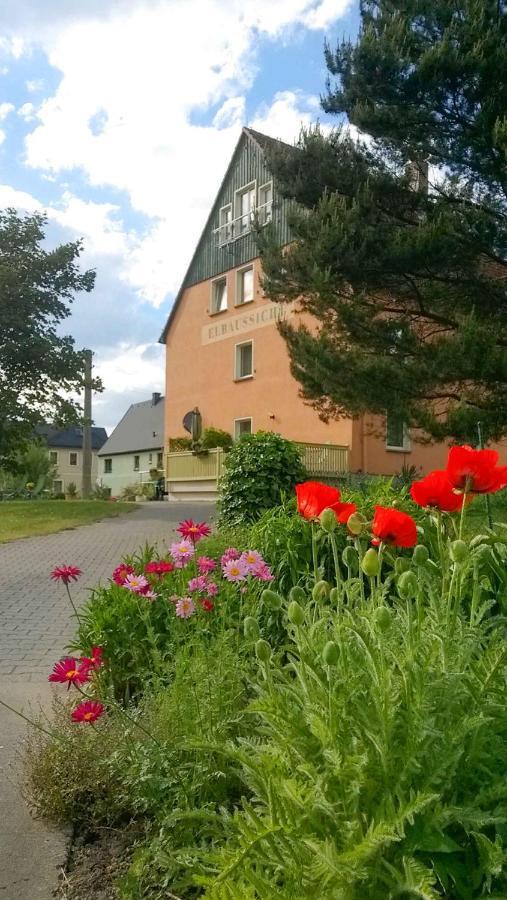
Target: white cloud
5, 109
27, 112
35, 84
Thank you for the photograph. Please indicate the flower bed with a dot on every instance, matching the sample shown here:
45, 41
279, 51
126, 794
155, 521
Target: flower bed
344, 736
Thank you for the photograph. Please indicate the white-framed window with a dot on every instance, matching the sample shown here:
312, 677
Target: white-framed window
58, 487
53, 457
241, 427
397, 434
244, 285
218, 295
265, 207
137, 460
72, 459
245, 202
108, 466
243, 360
225, 224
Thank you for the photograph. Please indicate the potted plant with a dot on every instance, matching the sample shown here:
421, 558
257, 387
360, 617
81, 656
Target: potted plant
71, 491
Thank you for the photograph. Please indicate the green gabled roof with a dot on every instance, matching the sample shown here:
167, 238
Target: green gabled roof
208, 260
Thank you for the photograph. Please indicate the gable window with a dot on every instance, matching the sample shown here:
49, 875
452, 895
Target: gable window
241, 427
397, 437
136, 463
218, 295
108, 466
72, 459
245, 204
245, 286
265, 203
243, 360
225, 224
53, 457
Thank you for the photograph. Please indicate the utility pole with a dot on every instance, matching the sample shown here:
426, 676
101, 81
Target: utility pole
86, 484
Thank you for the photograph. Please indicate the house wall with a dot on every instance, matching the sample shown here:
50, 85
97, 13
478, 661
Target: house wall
200, 369
67, 473
123, 473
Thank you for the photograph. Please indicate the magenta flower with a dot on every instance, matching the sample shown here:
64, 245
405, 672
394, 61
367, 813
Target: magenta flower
252, 560
193, 531
149, 595
212, 589
66, 573
205, 564
263, 573
199, 584
136, 583
234, 570
185, 607
230, 553
182, 551
121, 572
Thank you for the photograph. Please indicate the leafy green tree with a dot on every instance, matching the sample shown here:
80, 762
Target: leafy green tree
408, 285
39, 368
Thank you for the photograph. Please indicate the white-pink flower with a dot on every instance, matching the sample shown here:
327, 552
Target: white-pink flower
252, 560
150, 595
185, 607
234, 570
135, 583
181, 552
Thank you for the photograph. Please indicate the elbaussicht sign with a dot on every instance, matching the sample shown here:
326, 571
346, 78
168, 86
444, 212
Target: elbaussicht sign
267, 314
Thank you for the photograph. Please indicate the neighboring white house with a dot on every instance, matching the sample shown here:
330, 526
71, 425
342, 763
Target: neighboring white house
65, 448
135, 447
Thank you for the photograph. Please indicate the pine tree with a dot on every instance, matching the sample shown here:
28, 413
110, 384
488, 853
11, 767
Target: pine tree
407, 284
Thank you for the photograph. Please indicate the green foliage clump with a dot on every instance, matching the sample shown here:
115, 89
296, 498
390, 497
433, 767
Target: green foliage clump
216, 437
176, 444
259, 470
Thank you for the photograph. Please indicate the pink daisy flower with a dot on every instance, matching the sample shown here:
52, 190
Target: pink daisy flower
252, 560
182, 551
212, 589
234, 570
230, 553
136, 583
193, 530
70, 671
263, 572
149, 595
158, 567
199, 584
66, 573
87, 711
94, 660
205, 564
185, 607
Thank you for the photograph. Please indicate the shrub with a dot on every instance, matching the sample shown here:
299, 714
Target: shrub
179, 443
259, 469
101, 492
215, 437
71, 490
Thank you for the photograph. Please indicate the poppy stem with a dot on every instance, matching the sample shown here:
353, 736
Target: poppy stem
314, 553
72, 602
462, 517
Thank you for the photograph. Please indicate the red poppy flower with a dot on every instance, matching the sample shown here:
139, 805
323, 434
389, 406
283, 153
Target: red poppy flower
70, 671
313, 497
475, 471
436, 490
158, 567
193, 530
391, 526
66, 573
207, 605
121, 572
94, 660
343, 511
87, 711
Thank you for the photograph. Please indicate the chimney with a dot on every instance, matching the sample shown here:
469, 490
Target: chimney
154, 399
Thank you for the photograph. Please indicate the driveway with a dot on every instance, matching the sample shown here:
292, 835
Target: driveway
35, 626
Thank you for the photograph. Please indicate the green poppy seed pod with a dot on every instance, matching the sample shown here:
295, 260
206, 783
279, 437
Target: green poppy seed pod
420, 555
271, 599
297, 594
321, 590
327, 520
263, 651
370, 564
382, 618
350, 557
251, 629
401, 564
459, 551
407, 585
296, 613
356, 523
334, 596
331, 654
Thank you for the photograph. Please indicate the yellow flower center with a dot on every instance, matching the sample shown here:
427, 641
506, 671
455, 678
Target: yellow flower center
88, 716
71, 673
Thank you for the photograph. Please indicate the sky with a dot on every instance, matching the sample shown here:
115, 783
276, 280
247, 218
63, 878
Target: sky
119, 117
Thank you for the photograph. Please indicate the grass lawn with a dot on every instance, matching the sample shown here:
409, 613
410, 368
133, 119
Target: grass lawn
24, 518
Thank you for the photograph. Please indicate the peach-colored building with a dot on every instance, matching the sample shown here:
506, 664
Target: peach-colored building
224, 351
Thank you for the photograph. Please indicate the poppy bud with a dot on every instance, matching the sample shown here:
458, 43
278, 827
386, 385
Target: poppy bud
370, 564
263, 651
251, 628
331, 654
350, 558
334, 596
298, 594
327, 520
407, 585
382, 618
356, 523
401, 564
459, 551
420, 555
296, 613
321, 590
271, 599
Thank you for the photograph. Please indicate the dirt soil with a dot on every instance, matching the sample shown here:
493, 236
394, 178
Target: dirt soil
94, 867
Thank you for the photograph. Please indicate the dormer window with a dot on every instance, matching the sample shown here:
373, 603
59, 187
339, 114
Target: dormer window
265, 207
225, 224
245, 205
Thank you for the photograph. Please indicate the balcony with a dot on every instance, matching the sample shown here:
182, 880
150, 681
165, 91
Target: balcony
241, 225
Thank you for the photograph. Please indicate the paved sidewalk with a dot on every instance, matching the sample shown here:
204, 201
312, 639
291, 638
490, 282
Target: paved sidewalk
35, 626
